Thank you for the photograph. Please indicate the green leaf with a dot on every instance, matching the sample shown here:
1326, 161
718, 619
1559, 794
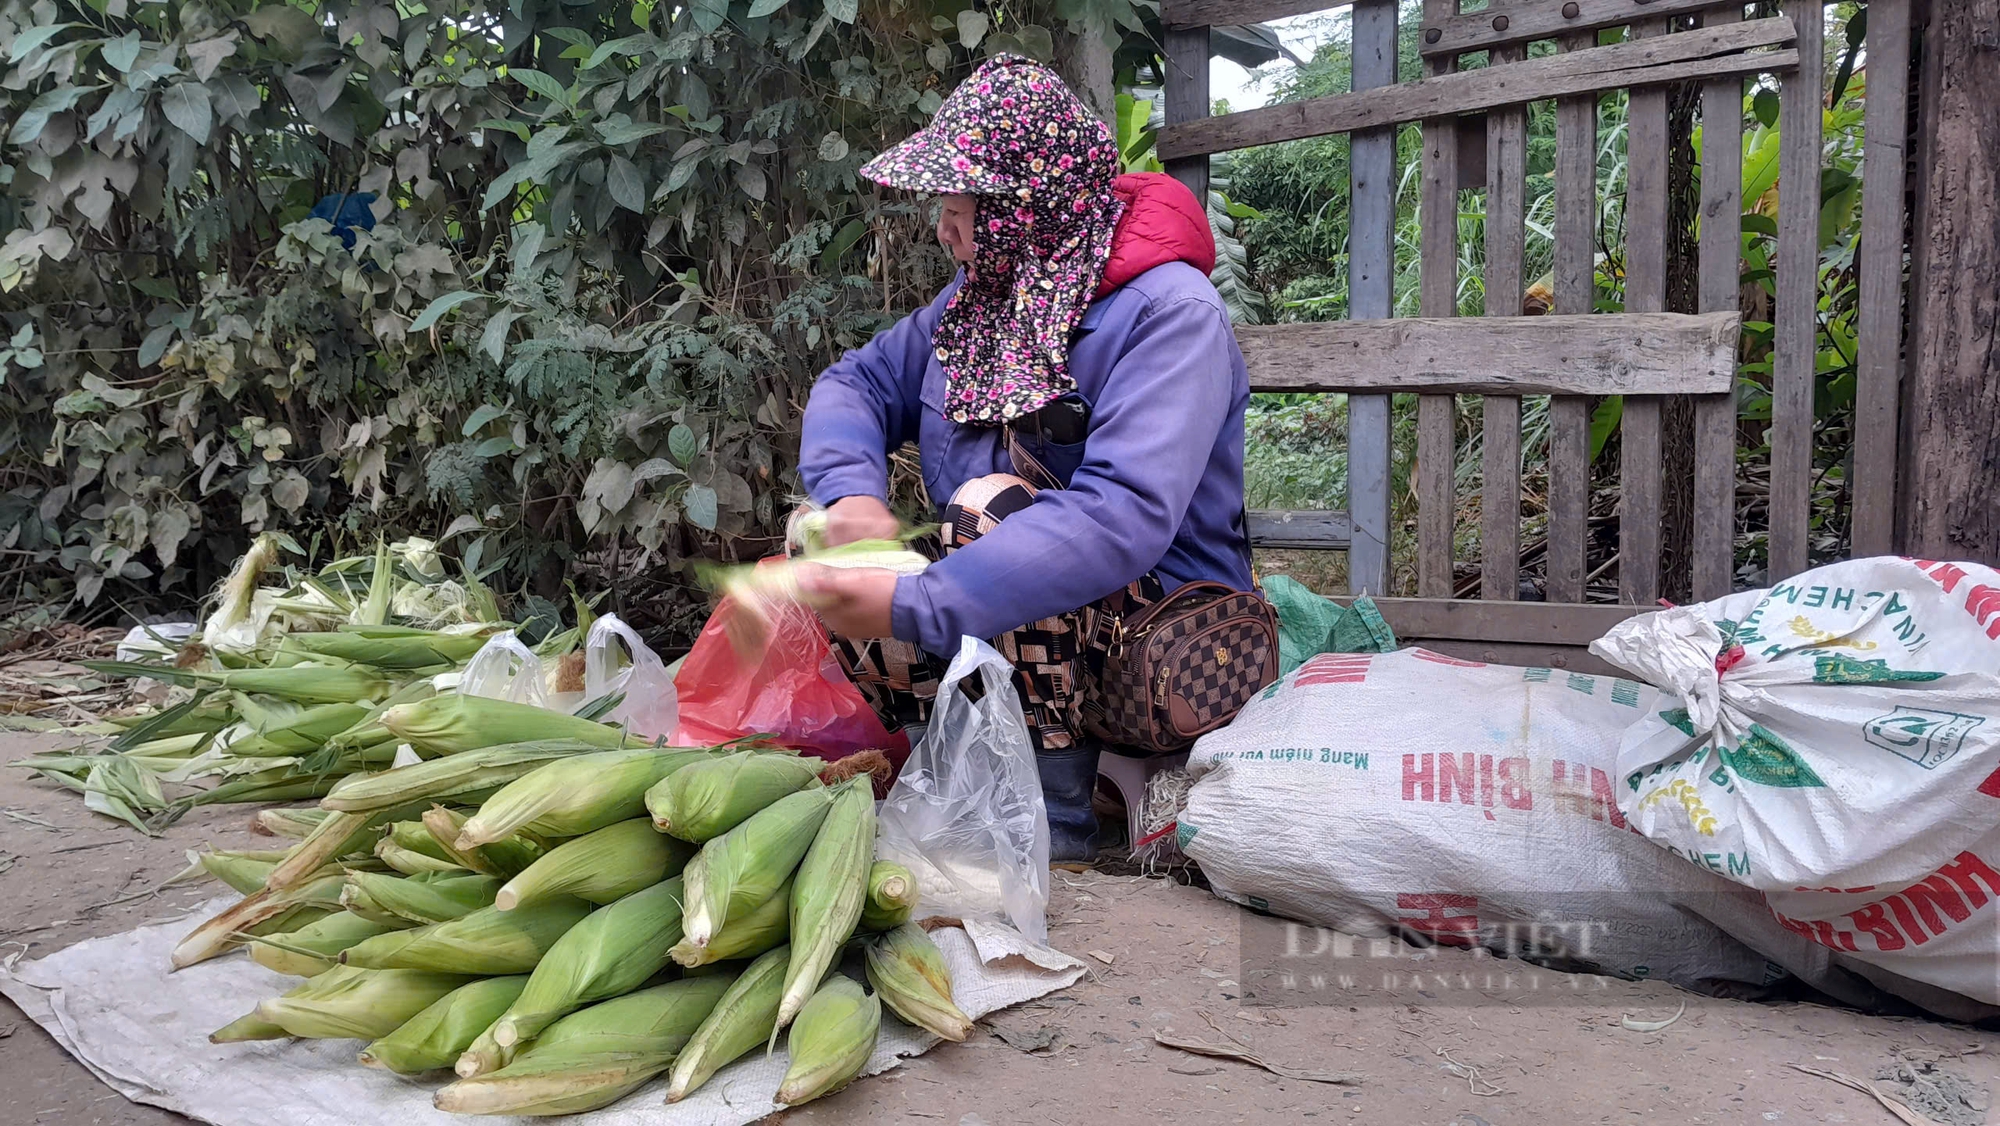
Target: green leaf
841, 243
494, 446
541, 84
627, 189
683, 172
291, 27
438, 308
972, 27
36, 36
833, 147
762, 8
477, 421
493, 340
1604, 423
700, 505
234, 97
186, 105
155, 345
682, 444
36, 117
122, 52
1765, 105
518, 128
626, 132
843, 10
627, 45
751, 179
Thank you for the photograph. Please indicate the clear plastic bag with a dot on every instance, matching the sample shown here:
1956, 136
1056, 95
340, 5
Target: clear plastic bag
966, 813
651, 707
505, 669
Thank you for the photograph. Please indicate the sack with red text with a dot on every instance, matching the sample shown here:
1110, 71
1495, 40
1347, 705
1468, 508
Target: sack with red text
1837, 737
1418, 795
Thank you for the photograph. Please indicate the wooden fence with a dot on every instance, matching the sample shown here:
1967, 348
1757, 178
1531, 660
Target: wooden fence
1478, 117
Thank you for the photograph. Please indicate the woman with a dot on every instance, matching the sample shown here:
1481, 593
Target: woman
1076, 392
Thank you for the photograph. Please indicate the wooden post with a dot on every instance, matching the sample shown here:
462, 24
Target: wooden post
1187, 100
1371, 295
1952, 458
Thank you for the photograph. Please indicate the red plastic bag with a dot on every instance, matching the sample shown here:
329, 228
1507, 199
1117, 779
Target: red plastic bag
796, 692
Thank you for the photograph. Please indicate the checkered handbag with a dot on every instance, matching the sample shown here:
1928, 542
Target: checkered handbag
1179, 668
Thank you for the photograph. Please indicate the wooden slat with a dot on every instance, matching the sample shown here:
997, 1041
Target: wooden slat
1500, 429
1508, 23
1371, 295
1187, 53
1576, 287
1646, 208
1879, 365
1300, 529
1437, 296
1566, 658
1613, 354
1526, 623
1234, 13
1703, 53
1793, 353
1714, 561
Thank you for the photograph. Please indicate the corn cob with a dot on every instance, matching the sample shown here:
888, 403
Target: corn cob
487, 941
573, 796
506, 859
249, 1026
909, 974
293, 824
374, 610
314, 949
741, 1020
349, 1003
743, 867
306, 684
831, 1041
603, 866
416, 837
828, 892
303, 734
243, 871
434, 1038
448, 779
610, 952
265, 908
424, 649
745, 936
333, 838
411, 863
595, 1056
445, 725
892, 897
710, 798
417, 899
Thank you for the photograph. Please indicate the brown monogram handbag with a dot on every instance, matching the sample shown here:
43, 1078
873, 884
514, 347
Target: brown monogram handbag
1174, 670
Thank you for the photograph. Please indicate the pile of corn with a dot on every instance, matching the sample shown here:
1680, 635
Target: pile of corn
285, 689
554, 923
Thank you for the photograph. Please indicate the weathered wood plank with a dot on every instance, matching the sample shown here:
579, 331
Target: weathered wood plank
1525, 623
1232, 13
1646, 207
1576, 287
1508, 23
1713, 569
1187, 53
1371, 295
1878, 368
1566, 658
1704, 53
1500, 418
1300, 529
1794, 348
1612, 354
1437, 296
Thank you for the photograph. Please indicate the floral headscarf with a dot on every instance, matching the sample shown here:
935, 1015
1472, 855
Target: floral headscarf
1041, 166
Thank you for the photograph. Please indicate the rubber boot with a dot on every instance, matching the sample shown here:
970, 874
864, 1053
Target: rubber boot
1069, 779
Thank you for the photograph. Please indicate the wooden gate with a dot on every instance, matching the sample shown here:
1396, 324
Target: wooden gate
1478, 117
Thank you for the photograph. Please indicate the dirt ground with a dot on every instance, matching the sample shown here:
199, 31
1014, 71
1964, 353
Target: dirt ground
1165, 959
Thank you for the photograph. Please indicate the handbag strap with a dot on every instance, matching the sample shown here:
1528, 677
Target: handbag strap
1026, 465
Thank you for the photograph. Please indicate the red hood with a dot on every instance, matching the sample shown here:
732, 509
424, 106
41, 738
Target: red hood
1162, 223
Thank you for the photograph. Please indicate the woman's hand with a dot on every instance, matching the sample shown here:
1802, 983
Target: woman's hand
854, 602
859, 518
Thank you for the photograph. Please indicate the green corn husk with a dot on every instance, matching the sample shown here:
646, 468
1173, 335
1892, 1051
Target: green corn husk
488, 941
767, 925
758, 593
506, 859
267, 909
741, 1020
451, 778
892, 897
305, 684
243, 871
302, 735
249, 1026
827, 893
406, 653
745, 866
417, 899
412, 863
346, 1003
434, 1038
830, 1041
292, 824
416, 837
595, 1056
707, 799
574, 796
340, 835
314, 949
446, 725
603, 866
609, 953
909, 974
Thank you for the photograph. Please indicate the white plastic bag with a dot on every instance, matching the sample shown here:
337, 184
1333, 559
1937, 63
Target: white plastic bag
505, 669
1836, 740
651, 707
966, 815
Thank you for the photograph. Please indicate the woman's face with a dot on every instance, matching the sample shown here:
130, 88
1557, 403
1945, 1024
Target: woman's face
954, 227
